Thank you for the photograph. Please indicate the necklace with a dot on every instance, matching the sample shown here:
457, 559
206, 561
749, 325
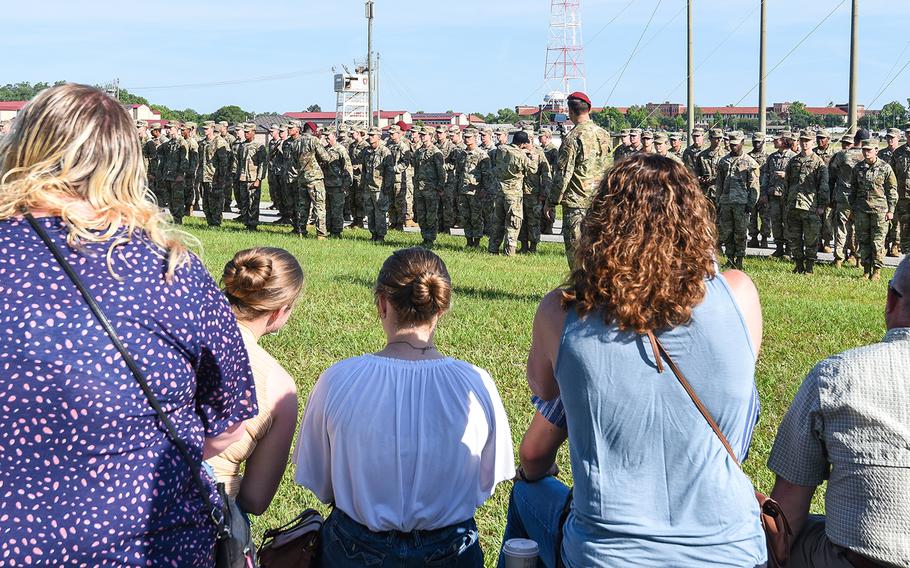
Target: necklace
423, 350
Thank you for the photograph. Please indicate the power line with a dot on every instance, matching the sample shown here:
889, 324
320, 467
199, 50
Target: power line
631, 55
883, 89
275, 77
605, 26
703, 61
883, 86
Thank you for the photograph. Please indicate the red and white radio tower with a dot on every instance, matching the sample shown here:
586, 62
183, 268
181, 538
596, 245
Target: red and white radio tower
565, 70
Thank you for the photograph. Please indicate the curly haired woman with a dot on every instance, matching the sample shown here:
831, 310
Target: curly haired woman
654, 486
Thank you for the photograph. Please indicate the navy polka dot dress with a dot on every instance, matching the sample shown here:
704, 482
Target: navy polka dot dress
87, 475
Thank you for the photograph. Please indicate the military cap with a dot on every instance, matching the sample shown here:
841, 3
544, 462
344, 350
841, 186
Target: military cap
486, 130
698, 131
233, 127
139, 123
736, 137
580, 96
822, 134
374, 132
894, 133
394, 129
249, 126
223, 123
647, 134
625, 132
846, 138
787, 134
521, 137
717, 133
284, 128
425, 130
343, 128
661, 138
208, 124
862, 134
635, 132
806, 135
293, 124
441, 130
311, 126
868, 143
454, 129
758, 136
156, 126
468, 132
675, 136
274, 127
190, 125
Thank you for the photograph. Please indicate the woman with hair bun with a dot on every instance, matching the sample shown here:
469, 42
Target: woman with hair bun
406, 442
262, 284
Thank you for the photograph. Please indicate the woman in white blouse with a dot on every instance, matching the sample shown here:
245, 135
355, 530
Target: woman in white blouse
406, 443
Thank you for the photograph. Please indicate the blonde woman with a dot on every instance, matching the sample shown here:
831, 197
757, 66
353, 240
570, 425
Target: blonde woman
262, 284
88, 473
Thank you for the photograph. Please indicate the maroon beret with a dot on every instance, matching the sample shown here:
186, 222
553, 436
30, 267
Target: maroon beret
580, 96
312, 126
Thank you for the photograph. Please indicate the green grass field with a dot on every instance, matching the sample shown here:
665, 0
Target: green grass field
494, 300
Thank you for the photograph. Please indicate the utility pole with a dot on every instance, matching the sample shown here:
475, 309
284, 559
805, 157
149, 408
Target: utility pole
762, 105
851, 112
369, 14
378, 84
690, 95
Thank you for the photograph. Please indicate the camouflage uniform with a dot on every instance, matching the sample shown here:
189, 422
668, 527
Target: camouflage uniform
338, 178
773, 190
873, 194
378, 178
489, 200
737, 191
690, 154
190, 197
213, 173
429, 179
840, 171
900, 163
552, 154
447, 207
398, 190
229, 184
510, 166
231, 191
760, 213
173, 161
475, 182
276, 179
354, 201
827, 234
536, 192
584, 157
893, 238
311, 184
807, 191
252, 167
706, 166
150, 157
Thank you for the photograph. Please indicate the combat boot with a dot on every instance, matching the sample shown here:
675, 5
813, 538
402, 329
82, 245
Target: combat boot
838, 263
867, 271
778, 251
510, 251
893, 252
753, 242
427, 244
856, 261
738, 263
798, 267
809, 267
764, 242
523, 249
876, 275
533, 248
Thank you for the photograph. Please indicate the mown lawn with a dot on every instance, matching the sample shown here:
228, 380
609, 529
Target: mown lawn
806, 319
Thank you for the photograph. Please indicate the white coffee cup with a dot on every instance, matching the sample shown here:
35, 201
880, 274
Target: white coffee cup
520, 553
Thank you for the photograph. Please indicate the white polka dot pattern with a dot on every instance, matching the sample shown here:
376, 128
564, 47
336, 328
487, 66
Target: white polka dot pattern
87, 475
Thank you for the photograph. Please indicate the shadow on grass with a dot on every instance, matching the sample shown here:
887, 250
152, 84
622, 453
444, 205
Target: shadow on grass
458, 291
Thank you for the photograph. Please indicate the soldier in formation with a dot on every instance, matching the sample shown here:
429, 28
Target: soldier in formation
338, 171
190, 198
706, 163
807, 196
276, 173
900, 163
475, 181
893, 238
377, 179
511, 164
552, 153
355, 201
662, 147
759, 221
840, 173
399, 205
173, 164
873, 199
774, 189
212, 172
584, 156
737, 186
825, 151
676, 145
429, 181
251, 166
536, 193
690, 154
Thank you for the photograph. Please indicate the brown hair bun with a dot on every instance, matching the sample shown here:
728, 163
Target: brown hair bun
261, 280
417, 284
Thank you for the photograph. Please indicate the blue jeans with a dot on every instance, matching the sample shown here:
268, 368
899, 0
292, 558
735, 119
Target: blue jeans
535, 511
346, 542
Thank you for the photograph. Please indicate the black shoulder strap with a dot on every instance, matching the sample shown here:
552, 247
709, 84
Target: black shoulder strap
195, 467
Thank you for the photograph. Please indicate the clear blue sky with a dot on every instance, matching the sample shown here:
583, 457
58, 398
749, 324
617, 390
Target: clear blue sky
468, 56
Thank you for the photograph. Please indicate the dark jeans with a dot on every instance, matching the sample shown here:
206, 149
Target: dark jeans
346, 542
535, 512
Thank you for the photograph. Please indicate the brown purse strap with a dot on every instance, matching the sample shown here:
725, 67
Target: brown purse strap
659, 349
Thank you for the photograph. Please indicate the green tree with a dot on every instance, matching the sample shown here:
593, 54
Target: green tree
230, 113
894, 114
23, 91
640, 117
610, 119
717, 121
502, 116
799, 116
831, 120
129, 98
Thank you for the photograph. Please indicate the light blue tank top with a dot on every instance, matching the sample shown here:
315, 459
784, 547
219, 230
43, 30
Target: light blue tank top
653, 484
